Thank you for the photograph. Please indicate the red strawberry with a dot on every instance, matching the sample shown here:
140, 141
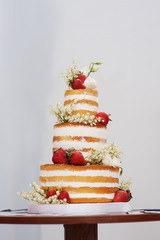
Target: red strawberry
63, 195
60, 157
104, 118
77, 159
50, 193
77, 84
81, 77
121, 196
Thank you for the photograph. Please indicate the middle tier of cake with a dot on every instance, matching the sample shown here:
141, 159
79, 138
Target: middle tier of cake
79, 136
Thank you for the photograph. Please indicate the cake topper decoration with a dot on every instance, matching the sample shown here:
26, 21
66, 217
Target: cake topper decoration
77, 78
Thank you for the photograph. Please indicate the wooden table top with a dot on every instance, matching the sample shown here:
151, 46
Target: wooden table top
11, 218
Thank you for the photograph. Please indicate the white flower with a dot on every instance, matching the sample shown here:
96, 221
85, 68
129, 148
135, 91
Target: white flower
90, 83
94, 67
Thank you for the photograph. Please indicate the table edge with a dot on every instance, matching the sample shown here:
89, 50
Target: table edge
94, 219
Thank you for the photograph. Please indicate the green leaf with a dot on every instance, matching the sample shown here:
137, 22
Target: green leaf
98, 63
46, 190
56, 150
121, 171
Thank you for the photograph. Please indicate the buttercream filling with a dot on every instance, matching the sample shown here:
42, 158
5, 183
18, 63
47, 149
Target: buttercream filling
78, 145
95, 173
92, 195
81, 131
84, 106
81, 97
78, 184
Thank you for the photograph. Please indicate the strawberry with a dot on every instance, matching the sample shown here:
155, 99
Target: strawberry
81, 77
60, 157
50, 193
63, 195
77, 84
77, 159
104, 118
121, 196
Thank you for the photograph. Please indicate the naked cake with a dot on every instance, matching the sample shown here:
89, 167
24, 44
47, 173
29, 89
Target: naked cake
85, 168
85, 132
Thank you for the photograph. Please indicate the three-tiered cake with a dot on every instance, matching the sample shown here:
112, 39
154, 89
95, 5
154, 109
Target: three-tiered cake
83, 164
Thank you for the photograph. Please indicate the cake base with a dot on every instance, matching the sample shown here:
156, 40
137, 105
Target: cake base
79, 209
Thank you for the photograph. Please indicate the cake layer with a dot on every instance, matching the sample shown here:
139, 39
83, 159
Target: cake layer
84, 112
87, 139
90, 183
79, 136
77, 92
87, 100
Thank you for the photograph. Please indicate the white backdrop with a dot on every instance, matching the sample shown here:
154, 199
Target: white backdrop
38, 40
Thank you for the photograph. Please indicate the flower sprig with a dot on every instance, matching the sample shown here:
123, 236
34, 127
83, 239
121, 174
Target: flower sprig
109, 155
64, 115
84, 118
39, 196
72, 72
125, 184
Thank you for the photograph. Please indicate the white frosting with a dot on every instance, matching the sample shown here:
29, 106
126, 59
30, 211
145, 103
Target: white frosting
84, 106
81, 131
81, 97
92, 195
78, 145
78, 184
92, 173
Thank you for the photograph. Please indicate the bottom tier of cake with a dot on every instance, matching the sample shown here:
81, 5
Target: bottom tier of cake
85, 184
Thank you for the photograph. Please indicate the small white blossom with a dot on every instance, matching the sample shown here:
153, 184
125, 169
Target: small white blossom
71, 73
57, 192
125, 184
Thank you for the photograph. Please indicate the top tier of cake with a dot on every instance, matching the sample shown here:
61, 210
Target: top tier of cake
86, 101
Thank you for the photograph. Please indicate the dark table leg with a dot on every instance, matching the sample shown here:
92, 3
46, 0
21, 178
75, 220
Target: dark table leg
81, 232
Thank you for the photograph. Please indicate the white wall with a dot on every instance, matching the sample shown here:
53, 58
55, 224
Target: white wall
38, 40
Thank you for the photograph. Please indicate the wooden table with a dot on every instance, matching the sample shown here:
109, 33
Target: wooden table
79, 227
